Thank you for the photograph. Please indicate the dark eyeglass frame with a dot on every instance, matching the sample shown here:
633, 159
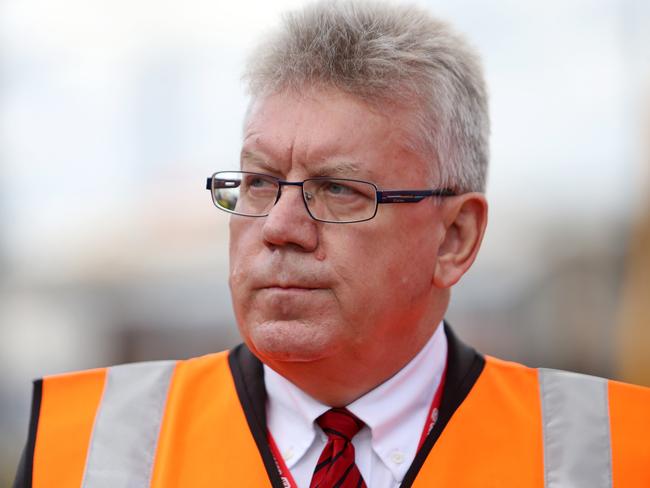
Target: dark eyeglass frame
381, 196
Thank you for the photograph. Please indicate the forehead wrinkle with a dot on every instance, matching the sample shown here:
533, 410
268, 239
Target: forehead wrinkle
254, 144
320, 161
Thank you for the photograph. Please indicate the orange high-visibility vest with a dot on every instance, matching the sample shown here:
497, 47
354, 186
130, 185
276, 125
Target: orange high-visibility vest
200, 423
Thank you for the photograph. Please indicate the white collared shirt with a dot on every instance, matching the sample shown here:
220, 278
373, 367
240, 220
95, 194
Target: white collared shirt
394, 413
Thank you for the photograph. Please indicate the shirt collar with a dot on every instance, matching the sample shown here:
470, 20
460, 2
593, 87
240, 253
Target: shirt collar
395, 411
292, 412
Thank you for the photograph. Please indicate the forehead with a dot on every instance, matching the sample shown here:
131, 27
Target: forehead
327, 131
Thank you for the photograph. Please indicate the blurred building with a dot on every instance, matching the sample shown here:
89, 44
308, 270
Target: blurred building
633, 359
634, 333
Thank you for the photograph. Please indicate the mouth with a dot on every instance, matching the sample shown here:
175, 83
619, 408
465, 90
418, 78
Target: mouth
291, 288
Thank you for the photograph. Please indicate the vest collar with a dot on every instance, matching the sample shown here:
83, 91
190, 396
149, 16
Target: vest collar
464, 366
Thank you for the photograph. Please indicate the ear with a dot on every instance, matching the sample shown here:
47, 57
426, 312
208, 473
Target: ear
464, 219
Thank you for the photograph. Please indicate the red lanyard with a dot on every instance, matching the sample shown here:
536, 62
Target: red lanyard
432, 417
283, 471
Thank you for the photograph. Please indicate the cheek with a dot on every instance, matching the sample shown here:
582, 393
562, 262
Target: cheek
241, 251
362, 266
380, 269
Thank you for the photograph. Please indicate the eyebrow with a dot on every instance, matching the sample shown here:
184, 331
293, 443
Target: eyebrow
339, 168
334, 168
262, 162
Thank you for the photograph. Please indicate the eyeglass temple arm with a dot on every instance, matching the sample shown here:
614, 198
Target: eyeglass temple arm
221, 183
411, 196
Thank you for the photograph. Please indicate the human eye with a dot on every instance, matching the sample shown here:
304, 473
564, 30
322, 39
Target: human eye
259, 182
336, 188
346, 190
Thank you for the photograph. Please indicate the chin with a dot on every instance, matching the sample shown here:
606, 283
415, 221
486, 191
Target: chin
291, 341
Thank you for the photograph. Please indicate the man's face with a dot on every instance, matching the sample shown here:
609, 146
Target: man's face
305, 290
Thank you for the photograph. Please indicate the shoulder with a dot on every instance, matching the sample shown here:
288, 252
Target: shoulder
508, 374
130, 375
66, 405
547, 377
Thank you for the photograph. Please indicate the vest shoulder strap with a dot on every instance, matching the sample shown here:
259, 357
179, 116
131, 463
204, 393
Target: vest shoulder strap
492, 439
547, 428
205, 440
158, 424
125, 434
63, 425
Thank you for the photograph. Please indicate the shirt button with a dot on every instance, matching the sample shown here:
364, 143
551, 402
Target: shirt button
288, 454
397, 457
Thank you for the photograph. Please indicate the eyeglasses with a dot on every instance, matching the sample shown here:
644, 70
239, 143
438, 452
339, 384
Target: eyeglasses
334, 200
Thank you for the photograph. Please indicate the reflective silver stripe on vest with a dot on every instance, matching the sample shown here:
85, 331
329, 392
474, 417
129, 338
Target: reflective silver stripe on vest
575, 416
125, 435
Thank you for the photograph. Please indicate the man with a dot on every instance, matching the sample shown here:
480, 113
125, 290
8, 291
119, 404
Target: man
358, 206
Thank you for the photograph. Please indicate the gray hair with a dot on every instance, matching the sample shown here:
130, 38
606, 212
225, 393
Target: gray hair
384, 53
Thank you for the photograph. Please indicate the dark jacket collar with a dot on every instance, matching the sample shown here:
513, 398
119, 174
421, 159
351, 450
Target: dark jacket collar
464, 366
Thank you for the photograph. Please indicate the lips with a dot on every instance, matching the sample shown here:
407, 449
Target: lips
294, 283
286, 292
290, 287
285, 278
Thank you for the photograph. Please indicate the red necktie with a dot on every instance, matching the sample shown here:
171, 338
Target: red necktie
336, 467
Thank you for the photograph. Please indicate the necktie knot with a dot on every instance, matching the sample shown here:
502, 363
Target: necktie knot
336, 467
340, 422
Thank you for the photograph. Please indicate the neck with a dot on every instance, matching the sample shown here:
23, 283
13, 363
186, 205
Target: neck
337, 381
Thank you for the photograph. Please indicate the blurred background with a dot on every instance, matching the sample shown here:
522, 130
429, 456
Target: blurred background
112, 113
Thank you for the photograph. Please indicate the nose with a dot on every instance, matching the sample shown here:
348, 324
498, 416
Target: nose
289, 223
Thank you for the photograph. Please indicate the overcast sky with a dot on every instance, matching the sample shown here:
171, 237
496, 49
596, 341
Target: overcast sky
99, 98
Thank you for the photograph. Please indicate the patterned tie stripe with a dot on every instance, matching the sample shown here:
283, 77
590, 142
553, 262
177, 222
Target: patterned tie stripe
336, 467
